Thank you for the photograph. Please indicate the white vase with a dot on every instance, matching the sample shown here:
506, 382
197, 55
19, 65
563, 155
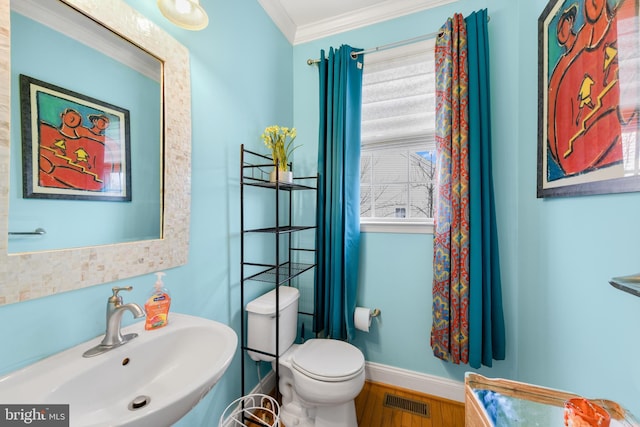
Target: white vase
285, 177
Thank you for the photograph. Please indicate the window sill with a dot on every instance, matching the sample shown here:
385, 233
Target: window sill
382, 226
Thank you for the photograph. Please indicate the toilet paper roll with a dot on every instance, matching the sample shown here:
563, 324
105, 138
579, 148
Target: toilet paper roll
362, 318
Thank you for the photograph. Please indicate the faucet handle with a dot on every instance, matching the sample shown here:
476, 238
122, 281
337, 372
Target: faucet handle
115, 298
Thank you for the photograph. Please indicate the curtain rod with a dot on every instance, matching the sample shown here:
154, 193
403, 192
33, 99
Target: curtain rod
423, 37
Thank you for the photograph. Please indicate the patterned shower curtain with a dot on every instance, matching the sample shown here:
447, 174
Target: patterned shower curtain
468, 323
450, 329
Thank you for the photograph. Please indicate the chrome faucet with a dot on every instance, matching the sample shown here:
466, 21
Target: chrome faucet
113, 336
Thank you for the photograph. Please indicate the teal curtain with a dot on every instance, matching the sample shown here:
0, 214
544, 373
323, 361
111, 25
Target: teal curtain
486, 320
338, 208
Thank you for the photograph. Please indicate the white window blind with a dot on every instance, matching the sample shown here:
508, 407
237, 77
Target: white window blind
398, 144
398, 96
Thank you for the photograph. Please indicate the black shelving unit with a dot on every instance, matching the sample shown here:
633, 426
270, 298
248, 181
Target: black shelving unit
254, 172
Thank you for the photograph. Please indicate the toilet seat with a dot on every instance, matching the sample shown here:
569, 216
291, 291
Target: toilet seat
328, 360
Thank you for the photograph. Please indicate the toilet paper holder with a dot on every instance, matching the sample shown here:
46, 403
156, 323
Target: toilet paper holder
363, 316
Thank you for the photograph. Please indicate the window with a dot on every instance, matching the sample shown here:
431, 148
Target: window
397, 166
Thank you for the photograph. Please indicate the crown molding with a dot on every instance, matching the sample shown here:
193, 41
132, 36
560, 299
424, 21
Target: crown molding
280, 17
374, 14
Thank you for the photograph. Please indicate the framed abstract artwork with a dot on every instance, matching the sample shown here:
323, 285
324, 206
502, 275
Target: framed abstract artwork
588, 98
73, 146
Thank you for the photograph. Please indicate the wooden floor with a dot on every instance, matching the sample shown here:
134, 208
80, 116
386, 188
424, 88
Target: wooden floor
372, 412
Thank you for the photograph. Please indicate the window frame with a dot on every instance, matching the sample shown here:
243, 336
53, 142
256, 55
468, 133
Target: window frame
405, 225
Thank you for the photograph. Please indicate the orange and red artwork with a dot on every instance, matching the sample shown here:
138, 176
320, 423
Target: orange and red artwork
588, 103
74, 146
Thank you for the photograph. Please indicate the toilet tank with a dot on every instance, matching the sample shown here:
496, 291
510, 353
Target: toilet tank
261, 322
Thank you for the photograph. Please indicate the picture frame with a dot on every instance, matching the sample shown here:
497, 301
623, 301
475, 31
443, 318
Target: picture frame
73, 146
588, 98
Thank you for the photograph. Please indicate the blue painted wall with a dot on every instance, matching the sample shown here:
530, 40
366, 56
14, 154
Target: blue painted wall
396, 269
576, 331
567, 328
241, 73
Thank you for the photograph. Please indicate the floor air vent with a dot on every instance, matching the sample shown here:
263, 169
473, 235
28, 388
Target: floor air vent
414, 406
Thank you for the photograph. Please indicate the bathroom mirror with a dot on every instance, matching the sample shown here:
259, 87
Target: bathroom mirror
98, 182
28, 275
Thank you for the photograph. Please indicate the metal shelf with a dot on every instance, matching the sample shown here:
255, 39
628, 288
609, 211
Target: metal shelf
256, 174
279, 274
255, 169
254, 182
281, 230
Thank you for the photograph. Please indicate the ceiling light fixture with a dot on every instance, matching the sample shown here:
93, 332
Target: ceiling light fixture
187, 14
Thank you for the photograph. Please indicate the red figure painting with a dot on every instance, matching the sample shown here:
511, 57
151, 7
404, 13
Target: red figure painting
74, 146
587, 115
76, 156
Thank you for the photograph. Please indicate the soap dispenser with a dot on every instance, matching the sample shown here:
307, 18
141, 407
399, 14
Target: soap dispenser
157, 306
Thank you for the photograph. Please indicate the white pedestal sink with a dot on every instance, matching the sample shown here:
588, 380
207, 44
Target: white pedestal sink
166, 372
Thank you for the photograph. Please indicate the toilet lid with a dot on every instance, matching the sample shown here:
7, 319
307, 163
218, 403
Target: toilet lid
328, 360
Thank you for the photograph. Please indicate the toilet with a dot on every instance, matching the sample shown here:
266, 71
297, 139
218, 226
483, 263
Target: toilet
319, 379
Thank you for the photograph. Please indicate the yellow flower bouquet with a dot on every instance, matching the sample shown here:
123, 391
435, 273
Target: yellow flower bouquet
275, 138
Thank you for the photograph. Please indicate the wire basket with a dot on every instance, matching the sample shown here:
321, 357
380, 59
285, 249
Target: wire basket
252, 410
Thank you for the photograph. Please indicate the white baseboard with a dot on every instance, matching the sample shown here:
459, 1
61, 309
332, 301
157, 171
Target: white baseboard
398, 377
423, 383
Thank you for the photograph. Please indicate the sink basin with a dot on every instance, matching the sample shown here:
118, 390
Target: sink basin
165, 371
